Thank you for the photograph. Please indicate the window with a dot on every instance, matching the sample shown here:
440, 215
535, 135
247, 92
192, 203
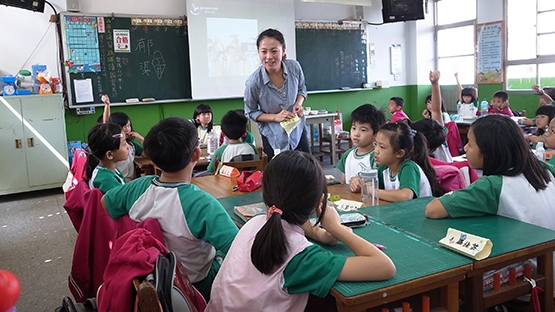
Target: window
530, 44
454, 28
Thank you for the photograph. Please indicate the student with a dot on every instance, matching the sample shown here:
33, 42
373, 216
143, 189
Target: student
233, 128
395, 107
108, 146
468, 99
202, 119
271, 266
404, 170
193, 222
515, 184
427, 112
547, 94
126, 166
366, 120
434, 128
550, 138
544, 114
500, 104
247, 137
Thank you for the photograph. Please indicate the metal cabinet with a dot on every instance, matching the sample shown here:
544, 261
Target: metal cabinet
33, 144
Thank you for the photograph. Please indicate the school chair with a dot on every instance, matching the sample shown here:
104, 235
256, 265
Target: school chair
246, 162
326, 141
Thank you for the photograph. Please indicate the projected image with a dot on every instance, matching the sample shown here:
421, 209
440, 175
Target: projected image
231, 46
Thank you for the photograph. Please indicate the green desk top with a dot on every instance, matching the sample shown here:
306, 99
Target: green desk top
506, 234
413, 258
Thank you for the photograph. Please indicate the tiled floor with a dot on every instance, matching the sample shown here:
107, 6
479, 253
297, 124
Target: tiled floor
36, 244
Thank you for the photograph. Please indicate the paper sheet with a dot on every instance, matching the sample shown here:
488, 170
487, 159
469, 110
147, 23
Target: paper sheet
290, 124
83, 90
472, 246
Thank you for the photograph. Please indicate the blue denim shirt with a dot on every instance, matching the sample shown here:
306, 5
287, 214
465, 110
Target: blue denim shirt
261, 96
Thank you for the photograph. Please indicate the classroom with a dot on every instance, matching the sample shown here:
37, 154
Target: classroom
399, 59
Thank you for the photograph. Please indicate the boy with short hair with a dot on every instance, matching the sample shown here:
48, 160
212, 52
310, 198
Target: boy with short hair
234, 126
194, 223
395, 107
366, 120
500, 104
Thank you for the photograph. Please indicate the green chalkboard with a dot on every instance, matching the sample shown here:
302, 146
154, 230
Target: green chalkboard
125, 57
332, 56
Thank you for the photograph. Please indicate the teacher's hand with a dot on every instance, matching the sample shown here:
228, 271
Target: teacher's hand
298, 109
283, 116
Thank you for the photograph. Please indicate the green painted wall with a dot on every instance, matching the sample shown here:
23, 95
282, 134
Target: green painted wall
144, 116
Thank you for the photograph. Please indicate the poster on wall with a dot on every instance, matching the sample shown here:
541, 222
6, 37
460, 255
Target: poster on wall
490, 47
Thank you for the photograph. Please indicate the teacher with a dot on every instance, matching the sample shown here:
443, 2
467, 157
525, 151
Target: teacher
275, 92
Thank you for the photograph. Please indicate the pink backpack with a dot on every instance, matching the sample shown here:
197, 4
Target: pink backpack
450, 178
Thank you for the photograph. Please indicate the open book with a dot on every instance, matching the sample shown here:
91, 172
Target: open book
245, 212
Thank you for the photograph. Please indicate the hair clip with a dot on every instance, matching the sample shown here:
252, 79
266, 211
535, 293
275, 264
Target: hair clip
412, 133
273, 209
117, 135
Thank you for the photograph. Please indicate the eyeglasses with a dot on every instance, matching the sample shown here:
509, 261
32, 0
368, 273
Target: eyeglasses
550, 130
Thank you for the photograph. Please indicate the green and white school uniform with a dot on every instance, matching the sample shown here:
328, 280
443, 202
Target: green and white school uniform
511, 197
105, 179
193, 222
227, 151
410, 176
442, 152
351, 163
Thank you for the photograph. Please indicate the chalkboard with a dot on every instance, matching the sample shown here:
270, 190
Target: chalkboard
126, 58
332, 56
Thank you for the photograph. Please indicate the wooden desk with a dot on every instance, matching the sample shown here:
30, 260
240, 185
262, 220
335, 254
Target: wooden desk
321, 119
218, 186
421, 267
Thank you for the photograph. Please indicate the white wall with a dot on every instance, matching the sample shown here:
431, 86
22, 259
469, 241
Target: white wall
23, 29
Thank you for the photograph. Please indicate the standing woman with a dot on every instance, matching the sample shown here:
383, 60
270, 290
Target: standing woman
275, 92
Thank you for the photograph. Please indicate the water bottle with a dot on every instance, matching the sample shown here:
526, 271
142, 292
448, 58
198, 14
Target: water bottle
484, 108
369, 187
212, 142
540, 151
459, 106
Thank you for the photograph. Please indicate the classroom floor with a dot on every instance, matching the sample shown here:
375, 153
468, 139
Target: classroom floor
36, 244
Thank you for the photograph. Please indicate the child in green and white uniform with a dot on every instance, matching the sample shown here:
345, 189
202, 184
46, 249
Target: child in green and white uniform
108, 146
366, 120
515, 184
405, 171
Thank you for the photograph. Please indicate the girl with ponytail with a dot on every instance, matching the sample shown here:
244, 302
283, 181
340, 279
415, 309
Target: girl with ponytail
271, 266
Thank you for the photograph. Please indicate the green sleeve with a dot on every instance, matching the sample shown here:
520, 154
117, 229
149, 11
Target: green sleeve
218, 154
550, 166
479, 198
381, 169
313, 270
249, 138
409, 177
343, 161
119, 200
106, 180
210, 222
552, 162
138, 148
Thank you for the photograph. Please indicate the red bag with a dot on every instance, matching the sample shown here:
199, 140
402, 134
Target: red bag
249, 181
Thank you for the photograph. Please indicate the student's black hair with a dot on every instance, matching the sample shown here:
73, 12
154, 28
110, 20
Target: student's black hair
368, 113
550, 91
121, 119
294, 183
429, 99
468, 91
234, 125
398, 101
201, 109
504, 96
101, 140
498, 135
432, 130
170, 143
271, 33
547, 110
403, 137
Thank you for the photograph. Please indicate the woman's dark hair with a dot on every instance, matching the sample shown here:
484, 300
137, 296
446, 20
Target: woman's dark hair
271, 33
505, 152
201, 109
468, 91
547, 110
121, 119
293, 182
402, 137
101, 139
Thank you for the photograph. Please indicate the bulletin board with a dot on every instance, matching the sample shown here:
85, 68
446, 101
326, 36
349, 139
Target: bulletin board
490, 52
129, 58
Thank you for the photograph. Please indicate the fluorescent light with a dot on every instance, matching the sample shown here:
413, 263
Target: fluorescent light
346, 2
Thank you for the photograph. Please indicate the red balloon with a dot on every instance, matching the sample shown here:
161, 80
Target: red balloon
9, 290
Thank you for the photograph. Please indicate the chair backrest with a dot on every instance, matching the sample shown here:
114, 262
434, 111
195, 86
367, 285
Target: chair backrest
258, 164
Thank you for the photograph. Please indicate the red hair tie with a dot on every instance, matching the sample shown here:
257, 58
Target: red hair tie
273, 209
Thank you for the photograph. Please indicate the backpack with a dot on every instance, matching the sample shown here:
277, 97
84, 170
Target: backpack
174, 290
